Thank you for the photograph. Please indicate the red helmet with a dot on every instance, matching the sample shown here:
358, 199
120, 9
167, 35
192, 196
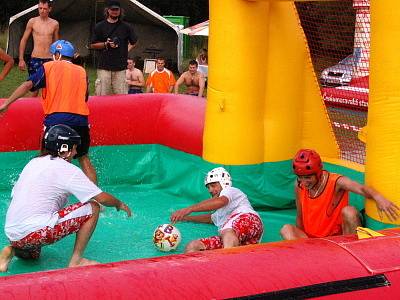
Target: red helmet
307, 162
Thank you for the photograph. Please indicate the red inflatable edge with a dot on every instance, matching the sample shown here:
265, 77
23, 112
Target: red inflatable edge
362, 269
175, 121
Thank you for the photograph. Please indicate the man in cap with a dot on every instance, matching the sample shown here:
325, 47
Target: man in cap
113, 38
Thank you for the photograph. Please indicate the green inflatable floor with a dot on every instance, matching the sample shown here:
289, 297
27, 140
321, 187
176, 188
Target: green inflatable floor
154, 181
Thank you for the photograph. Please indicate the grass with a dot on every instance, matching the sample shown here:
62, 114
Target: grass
16, 77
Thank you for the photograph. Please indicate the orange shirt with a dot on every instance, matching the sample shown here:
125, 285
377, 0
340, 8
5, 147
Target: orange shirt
65, 91
319, 220
161, 82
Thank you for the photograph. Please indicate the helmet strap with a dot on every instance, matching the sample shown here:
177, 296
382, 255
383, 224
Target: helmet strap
57, 58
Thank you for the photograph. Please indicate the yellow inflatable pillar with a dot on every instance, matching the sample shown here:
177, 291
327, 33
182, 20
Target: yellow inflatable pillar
236, 84
383, 141
263, 99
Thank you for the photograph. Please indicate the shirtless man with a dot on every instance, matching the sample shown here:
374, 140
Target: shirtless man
193, 79
134, 78
44, 31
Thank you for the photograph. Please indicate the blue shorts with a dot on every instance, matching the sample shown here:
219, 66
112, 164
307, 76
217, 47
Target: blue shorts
34, 63
135, 91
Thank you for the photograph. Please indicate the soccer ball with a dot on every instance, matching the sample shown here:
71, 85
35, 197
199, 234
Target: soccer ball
166, 237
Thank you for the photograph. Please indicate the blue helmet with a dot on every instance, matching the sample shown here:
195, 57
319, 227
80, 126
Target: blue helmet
63, 47
60, 138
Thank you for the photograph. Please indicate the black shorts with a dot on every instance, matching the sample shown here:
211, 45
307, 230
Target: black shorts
84, 133
361, 214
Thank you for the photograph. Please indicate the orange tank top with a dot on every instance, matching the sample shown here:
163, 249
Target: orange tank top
65, 91
320, 217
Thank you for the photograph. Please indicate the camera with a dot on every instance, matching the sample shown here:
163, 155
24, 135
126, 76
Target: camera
115, 40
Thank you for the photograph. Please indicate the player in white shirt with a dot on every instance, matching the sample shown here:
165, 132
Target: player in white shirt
37, 215
238, 223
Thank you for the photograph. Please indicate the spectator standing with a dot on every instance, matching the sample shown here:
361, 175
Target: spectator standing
202, 58
134, 78
161, 80
113, 38
44, 31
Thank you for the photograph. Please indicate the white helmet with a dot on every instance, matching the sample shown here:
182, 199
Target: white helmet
218, 175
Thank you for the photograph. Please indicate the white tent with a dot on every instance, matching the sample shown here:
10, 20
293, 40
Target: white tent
156, 35
198, 29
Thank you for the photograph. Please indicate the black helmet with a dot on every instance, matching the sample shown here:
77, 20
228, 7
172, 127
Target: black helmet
60, 138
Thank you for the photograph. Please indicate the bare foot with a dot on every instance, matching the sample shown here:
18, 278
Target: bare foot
5, 257
83, 262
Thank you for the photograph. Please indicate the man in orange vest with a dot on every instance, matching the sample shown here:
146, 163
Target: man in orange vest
64, 97
322, 200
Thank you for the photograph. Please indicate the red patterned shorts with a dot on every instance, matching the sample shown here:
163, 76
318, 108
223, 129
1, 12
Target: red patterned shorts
248, 228
71, 219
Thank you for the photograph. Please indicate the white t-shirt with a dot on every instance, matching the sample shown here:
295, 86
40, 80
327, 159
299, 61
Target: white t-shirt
238, 203
41, 191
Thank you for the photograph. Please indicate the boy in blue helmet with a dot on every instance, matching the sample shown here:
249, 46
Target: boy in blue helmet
64, 97
238, 223
38, 215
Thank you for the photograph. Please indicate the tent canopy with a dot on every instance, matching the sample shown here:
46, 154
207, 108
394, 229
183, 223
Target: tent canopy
198, 29
156, 35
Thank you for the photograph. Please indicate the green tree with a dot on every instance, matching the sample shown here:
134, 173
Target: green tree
10, 8
197, 10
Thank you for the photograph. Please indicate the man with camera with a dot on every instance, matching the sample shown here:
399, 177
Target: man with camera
113, 38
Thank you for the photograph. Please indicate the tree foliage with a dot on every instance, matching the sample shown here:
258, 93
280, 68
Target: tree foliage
197, 10
10, 8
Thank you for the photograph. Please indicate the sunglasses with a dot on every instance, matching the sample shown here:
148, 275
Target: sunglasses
115, 9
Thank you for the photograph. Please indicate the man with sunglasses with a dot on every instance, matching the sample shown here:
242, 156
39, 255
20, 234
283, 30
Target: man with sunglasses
113, 38
322, 200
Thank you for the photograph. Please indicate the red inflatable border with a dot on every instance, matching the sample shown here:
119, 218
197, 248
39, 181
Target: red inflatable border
228, 273
175, 121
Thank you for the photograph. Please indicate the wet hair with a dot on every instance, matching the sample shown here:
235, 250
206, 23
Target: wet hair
134, 59
193, 63
44, 152
48, 2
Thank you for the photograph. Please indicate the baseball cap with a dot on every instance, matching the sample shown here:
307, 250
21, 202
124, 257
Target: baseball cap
113, 4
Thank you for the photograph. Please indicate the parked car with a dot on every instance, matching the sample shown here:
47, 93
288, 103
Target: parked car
339, 74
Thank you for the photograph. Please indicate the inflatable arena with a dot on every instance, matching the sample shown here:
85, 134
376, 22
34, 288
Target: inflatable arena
153, 150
